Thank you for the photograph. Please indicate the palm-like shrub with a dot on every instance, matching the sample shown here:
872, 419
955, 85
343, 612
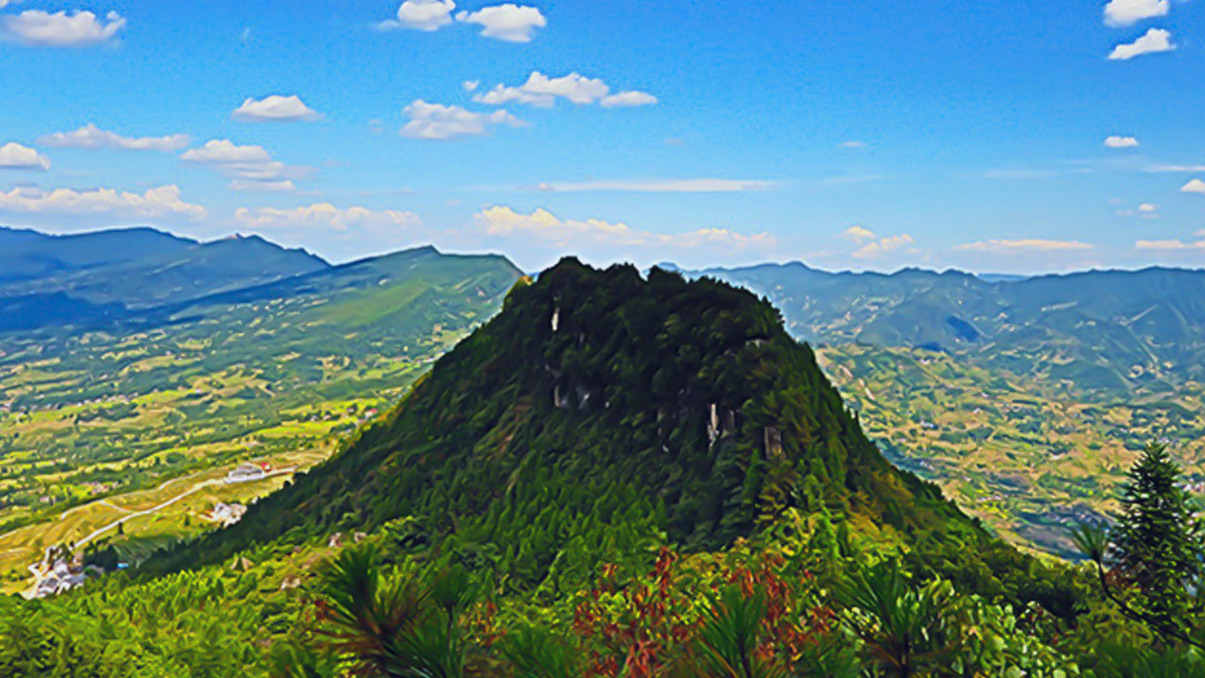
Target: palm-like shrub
903, 629
390, 627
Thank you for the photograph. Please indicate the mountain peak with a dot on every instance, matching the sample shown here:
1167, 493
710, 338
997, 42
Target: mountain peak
684, 401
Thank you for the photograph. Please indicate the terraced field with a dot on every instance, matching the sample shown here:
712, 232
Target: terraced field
1025, 455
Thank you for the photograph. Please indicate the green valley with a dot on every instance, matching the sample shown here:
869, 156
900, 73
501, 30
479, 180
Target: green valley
273, 372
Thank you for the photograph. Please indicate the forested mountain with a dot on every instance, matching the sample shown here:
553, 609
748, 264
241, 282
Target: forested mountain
1101, 332
600, 410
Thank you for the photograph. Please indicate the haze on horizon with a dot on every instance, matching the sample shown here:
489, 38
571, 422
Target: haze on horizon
1022, 138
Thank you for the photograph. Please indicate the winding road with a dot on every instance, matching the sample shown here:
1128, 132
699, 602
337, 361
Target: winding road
36, 569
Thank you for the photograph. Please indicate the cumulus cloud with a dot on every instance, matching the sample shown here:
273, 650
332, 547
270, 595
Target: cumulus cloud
660, 186
325, 216
275, 108
16, 156
224, 151
1130, 12
1121, 142
540, 90
1194, 186
543, 91
1156, 40
435, 121
92, 137
509, 22
544, 225
877, 248
1025, 246
421, 15
164, 201
858, 233
35, 28
1148, 207
250, 168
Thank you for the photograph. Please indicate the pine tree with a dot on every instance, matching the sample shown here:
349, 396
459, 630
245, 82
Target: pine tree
1157, 540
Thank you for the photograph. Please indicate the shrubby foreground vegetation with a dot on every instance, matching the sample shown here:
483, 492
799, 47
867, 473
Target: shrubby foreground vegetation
621, 477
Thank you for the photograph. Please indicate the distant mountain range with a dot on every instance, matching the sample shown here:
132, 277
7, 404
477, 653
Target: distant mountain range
50, 280
1095, 331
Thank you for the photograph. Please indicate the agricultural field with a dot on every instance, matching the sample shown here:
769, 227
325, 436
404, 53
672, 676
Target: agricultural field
1025, 455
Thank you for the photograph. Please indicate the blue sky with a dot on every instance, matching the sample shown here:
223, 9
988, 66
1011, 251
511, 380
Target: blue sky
863, 135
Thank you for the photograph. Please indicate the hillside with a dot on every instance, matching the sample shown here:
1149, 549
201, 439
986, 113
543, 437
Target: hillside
600, 409
1024, 398
274, 372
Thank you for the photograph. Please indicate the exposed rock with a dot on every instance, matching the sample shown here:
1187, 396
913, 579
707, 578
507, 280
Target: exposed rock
773, 441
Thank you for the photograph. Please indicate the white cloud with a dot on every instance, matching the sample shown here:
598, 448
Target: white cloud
471, 85
421, 15
630, 99
250, 168
1025, 246
435, 121
1173, 245
853, 145
1130, 12
222, 151
660, 186
16, 156
275, 108
1175, 168
540, 90
6, 3
92, 137
878, 248
1121, 142
159, 202
858, 233
326, 216
544, 225
1145, 211
543, 91
1194, 186
262, 186
1156, 40
509, 22
34, 28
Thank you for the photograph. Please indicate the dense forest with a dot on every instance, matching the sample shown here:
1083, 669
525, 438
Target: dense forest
627, 475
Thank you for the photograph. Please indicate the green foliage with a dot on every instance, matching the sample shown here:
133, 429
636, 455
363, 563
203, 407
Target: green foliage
1158, 540
729, 638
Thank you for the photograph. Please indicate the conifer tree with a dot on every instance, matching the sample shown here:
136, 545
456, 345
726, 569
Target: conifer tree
1157, 543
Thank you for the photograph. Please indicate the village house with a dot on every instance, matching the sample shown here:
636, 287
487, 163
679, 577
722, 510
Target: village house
248, 472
